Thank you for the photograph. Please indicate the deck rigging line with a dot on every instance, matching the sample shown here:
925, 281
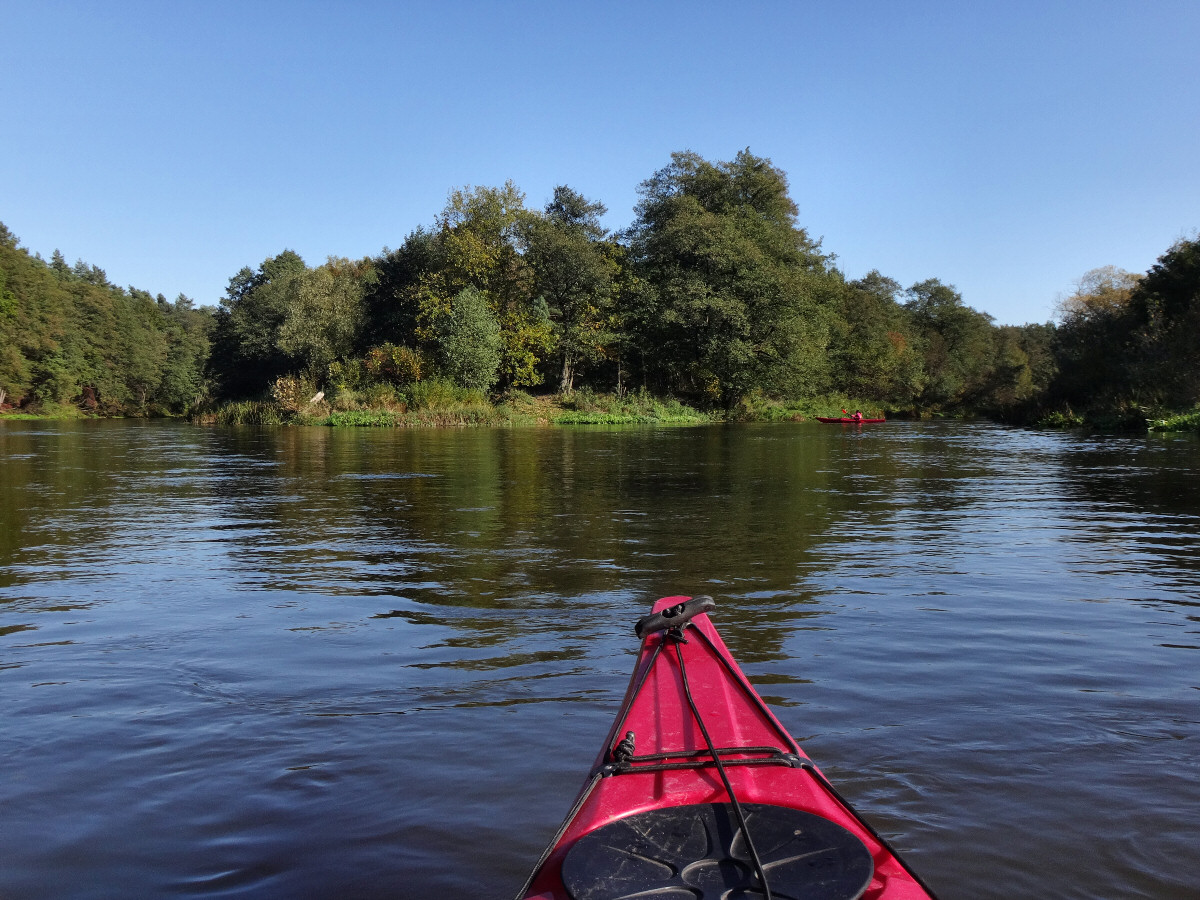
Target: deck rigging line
676, 635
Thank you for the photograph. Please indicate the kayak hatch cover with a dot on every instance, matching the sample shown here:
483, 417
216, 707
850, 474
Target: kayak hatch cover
700, 792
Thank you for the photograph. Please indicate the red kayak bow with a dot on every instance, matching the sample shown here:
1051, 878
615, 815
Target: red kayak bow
700, 792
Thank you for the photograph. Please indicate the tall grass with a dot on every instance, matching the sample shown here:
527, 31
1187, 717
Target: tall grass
47, 411
360, 418
641, 408
440, 403
1189, 421
759, 408
436, 393
248, 412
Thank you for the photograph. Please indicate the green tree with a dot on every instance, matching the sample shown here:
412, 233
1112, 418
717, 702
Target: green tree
476, 243
58, 265
143, 350
956, 342
873, 351
391, 300
575, 273
12, 363
33, 325
246, 355
1023, 368
1127, 340
68, 335
736, 296
480, 232
187, 329
1166, 311
324, 314
1096, 340
468, 343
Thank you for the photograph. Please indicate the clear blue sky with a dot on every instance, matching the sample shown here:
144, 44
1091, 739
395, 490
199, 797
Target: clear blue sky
1005, 148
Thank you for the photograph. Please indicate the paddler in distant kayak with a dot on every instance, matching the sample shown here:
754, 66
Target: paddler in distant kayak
857, 417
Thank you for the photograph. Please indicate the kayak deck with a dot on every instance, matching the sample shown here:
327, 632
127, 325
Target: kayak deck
848, 421
688, 697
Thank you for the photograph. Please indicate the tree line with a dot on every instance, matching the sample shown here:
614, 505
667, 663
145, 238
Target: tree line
70, 337
1129, 343
715, 294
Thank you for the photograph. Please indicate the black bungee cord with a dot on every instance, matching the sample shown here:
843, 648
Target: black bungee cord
676, 634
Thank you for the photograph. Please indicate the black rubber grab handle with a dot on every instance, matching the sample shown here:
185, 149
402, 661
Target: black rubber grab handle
673, 616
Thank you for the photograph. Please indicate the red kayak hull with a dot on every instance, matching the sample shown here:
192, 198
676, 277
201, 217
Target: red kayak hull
849, 421
656, 710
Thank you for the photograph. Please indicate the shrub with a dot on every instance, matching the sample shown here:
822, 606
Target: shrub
396, 363
347, 375
438, 393
293, 393
382, 395
1182, 422
1060, 419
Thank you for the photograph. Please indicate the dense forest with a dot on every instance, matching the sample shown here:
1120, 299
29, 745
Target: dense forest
69, 338
715, 296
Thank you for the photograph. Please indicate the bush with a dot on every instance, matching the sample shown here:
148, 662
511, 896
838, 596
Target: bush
396, 363
348, 375
382, 395
1183, 422
438, 393
294, 393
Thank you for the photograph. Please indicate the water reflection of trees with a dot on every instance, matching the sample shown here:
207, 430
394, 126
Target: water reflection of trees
529, 540
80, 500
516, 532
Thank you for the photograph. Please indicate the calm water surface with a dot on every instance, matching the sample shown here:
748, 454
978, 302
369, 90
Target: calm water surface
378, 663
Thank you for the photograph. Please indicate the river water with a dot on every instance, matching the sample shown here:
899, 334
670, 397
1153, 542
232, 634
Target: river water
330, 663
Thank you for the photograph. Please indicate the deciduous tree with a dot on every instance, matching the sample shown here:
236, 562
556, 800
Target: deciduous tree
246, 354
324, 314
575, 272
467, 340
737, 294
873, 351
956, 342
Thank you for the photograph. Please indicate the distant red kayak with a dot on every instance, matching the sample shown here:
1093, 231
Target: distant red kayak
699, 791
849, 420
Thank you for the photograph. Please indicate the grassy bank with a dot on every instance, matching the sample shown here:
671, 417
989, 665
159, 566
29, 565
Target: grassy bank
438, 404
1124, 419
1189, 421
459, 408
57, 411
433, 404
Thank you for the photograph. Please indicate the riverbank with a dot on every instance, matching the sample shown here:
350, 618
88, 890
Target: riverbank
1128, 421
441, 405
451, 407
1189, 421
49, 411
